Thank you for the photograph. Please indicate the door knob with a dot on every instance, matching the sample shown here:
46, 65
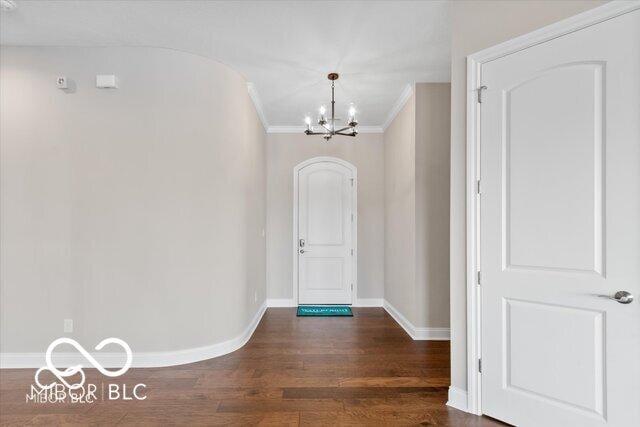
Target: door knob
623, 297
301, 251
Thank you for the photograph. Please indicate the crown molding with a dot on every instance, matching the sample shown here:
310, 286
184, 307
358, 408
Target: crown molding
253, 94
301, 129
402, 99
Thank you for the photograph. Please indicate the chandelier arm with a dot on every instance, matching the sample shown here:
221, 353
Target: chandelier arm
310, 132
343, 129
346, 134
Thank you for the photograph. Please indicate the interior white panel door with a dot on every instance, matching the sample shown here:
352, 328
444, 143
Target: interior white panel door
325, 198
560, 229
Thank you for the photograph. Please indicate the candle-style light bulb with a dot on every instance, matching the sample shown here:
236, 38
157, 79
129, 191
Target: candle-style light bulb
352, 116
322, 119
307, 121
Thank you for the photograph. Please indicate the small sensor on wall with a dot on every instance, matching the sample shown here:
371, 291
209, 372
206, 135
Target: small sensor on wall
106, 81
62, 82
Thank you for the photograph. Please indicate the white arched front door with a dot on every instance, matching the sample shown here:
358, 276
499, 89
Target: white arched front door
325, 232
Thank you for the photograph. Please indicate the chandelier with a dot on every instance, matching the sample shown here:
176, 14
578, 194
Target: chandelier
328, 125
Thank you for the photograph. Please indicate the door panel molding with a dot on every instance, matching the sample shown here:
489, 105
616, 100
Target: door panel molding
594, 231
354, 228
474, 63
592, 394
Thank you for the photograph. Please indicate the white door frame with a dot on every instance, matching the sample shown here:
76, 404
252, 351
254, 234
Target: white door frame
354, 228
474, 64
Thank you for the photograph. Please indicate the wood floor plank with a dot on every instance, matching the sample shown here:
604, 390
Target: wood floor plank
363, 370
367, 418
435, 381
357, 392
281, 405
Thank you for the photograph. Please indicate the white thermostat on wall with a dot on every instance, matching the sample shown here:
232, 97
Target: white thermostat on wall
62, 83
106, 81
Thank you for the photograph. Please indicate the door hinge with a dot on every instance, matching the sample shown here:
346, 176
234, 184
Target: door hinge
352, 287
351, 252
480, 365
479, 278
351, 217
478, 187
352, 179
479, 90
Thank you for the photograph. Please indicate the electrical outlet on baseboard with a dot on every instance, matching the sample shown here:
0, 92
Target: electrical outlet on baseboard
68, 325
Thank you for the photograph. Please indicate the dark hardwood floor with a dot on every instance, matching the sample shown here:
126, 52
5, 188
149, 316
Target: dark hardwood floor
293, 371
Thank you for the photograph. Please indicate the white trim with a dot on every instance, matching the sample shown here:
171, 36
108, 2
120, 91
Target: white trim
354, 227
457, 398
281, 302
591, 17
473, 329
369, 302
301, 129
253, 94
154, 359
432, 334
474, 63
397, 107
415, 332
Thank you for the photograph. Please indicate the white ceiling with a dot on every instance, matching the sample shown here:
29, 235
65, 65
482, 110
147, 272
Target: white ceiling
285, 48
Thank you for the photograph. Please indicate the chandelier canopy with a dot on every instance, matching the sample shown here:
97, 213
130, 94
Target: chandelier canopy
328, 126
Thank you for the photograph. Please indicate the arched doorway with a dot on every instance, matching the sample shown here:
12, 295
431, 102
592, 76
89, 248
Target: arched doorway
325, 231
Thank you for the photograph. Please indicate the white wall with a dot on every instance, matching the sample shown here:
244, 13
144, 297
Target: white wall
478, 24
417, 207
137, 212
284, 152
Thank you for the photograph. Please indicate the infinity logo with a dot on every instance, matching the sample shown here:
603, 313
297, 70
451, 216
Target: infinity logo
71, 371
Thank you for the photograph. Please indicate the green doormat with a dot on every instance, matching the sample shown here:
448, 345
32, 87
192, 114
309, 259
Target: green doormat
324, 310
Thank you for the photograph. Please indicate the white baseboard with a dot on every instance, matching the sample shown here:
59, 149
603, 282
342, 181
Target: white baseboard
191, 355
416, 332
457, 398
278, 302
433, 334
140, 359
369, 302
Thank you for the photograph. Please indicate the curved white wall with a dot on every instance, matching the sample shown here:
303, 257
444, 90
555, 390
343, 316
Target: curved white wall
138, 212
